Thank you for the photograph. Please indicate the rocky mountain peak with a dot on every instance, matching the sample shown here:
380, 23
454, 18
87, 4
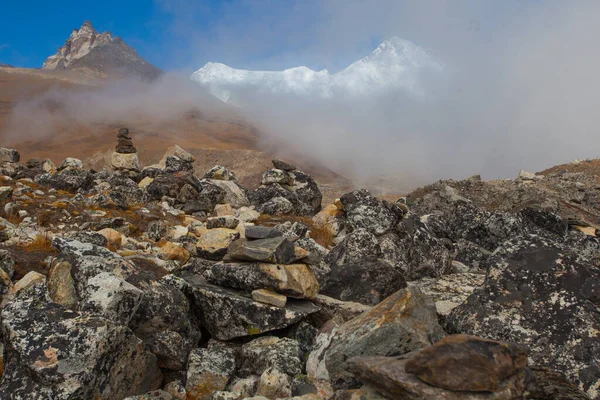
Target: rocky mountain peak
103, 53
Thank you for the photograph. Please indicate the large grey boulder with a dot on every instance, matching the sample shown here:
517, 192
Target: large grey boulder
543, 295
63, 354
404, 322
365, 281
367, 212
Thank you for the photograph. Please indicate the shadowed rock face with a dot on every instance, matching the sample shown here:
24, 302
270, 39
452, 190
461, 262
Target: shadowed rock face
86, 49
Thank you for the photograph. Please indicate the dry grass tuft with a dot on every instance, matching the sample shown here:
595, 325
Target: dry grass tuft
41, 243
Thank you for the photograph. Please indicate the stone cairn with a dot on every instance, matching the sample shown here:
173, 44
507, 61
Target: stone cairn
125, 145
125, 157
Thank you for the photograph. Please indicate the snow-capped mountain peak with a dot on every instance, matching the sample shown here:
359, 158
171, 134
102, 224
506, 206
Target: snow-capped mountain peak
395, 63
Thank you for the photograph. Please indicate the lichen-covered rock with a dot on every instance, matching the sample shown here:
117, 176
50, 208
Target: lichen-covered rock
5, 193
276, 176
404, 322
213, 244
365, 281
293, 280
367, 212
234, 194
165, 322
450, 291
219, 172
543, 295
112, 297
357, 245
70, 179
271, 351
413, 249
76, 248
274, 384
67, 354
228, 314
277, 206
227, 221
273, 250
7, 263
209, 370
317, 253
9, 155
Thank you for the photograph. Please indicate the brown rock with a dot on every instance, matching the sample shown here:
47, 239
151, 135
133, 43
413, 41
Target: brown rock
61, 286
468, 363
388, 376
269, 297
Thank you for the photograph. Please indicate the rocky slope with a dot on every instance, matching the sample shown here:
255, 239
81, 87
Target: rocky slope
87, 50
167, 282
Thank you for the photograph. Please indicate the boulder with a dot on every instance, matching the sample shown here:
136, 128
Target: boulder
79, 249
282, 165
213, 244
127, 162
549, 296
165, 322
227, 221
67, 354
61, 287
9, 155
274, 384
112, 297
468, 363
70, 179
358, 245
219, 172
7, 263
293, 280
367, 212
234, 194
5, 193
388, 376
209, 370
404, 322
70, 163
276, 176
277, 206
366, 281
450, 291
274, 250
270, 351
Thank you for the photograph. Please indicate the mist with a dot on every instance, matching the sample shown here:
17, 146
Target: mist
519, 89
123, 101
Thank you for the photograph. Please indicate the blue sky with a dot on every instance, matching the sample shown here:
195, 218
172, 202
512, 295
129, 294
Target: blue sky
256, 34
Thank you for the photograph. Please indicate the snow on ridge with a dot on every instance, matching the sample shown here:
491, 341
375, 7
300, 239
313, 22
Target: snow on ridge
395, 63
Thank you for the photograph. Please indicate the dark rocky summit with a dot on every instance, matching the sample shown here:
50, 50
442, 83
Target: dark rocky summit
159, 282
87, 50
